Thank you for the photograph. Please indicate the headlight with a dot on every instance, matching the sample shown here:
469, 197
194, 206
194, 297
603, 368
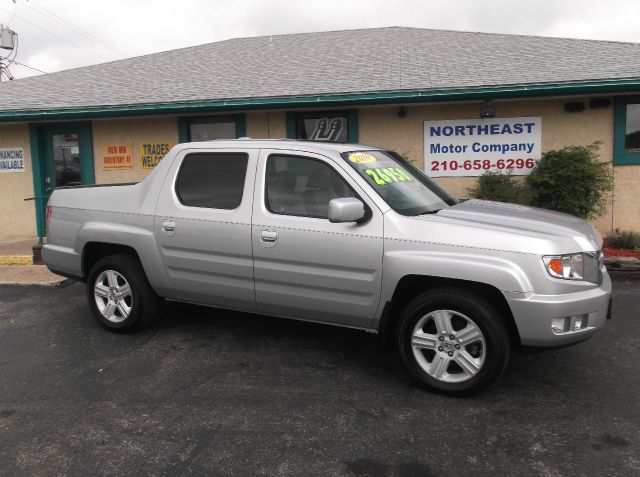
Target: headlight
575, 266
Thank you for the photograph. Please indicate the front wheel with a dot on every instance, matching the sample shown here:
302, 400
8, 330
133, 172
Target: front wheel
119, 294
453, 341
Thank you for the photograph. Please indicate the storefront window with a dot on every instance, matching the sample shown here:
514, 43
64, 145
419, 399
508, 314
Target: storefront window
626, 145
632, 130
331, 128
327, 126
210, 128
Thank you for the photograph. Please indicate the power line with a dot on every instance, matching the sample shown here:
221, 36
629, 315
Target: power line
57, 36
15, 9
30, 67
6, 73
43, 11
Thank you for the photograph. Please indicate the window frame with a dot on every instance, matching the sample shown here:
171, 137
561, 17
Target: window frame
210, 153
184, 124
352, 122
367, 210
620, 157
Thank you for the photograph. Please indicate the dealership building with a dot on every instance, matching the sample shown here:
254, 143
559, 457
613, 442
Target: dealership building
455, 103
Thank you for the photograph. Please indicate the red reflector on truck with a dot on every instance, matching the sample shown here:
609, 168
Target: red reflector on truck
48, 217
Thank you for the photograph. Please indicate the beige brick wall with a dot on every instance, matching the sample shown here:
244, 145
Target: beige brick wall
626, 198
378, 126
18, 216
381, 126
133, 132
266, 125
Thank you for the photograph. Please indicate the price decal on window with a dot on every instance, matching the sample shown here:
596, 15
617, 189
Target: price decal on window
389, 175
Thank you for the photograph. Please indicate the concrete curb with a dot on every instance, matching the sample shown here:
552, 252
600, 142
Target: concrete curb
16, 259
624, 276
27, 275
63, 283
622, 264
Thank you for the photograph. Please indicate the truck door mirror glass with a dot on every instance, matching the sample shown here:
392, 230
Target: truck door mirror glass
346, 209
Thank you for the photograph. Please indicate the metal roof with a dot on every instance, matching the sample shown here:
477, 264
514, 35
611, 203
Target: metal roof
377, 60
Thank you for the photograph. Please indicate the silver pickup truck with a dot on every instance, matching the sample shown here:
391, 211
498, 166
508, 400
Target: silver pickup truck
344, 234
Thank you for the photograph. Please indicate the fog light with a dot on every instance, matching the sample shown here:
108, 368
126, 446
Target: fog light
560, 325
579, 322
569, 324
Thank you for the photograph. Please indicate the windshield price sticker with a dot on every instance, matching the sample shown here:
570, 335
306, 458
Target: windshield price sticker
361, 158
388, 175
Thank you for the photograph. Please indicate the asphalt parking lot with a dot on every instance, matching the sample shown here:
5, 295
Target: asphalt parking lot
210, 392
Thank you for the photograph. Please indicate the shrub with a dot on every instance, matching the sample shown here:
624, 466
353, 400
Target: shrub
572, 180
624, 239
499, 187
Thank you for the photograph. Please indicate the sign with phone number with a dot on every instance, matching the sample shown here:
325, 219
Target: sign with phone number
473, 147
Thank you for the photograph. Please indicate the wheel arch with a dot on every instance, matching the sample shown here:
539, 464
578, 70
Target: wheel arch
94, 251
411, 286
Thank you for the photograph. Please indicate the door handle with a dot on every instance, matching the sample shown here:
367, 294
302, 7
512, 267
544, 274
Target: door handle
268, 236
169, 226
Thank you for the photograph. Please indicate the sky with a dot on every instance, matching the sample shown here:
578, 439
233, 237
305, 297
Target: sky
56, 35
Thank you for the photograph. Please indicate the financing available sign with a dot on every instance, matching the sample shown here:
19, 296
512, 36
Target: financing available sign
471, 147
11, 159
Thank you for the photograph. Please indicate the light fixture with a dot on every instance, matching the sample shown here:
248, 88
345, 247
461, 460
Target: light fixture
487, 110
574, 107
402, 112
596, 103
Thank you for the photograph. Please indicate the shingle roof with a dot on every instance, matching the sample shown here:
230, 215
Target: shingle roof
352, 61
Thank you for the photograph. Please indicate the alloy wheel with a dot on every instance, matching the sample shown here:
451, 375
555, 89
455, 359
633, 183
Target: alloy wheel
113, 296
448, 345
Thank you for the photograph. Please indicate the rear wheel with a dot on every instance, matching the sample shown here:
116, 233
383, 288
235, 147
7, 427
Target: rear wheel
119, 294
453, 341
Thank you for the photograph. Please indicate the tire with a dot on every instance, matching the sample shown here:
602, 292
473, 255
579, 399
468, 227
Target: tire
116, 307
469, 363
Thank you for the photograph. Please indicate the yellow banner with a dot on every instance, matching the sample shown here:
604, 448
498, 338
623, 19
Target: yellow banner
152, 153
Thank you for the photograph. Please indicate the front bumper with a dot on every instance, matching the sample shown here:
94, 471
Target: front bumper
535, 314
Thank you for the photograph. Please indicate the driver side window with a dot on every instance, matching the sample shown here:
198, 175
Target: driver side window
302, 186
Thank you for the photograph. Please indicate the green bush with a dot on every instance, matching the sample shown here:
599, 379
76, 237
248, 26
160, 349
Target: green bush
499, 187
572, 180
624, 239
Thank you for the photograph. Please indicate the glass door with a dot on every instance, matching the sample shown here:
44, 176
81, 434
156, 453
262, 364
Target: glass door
64, 155
66, 167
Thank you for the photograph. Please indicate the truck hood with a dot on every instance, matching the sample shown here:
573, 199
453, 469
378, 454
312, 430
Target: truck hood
508, 227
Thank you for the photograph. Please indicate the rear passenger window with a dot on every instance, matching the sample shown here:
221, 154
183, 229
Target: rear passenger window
302, 186
212, 180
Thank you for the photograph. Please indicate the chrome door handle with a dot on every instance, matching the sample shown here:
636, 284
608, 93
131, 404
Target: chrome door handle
169, 226
267, 236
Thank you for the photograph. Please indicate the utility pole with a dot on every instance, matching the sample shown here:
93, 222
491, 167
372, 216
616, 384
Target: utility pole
8, 40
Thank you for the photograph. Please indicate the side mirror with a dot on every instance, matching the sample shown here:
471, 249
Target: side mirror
346, 209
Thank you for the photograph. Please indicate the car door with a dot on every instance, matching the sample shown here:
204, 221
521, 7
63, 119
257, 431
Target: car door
305, 266
203, 227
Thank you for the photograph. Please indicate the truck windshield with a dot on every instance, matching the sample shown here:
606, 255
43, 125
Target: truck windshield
403, 186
